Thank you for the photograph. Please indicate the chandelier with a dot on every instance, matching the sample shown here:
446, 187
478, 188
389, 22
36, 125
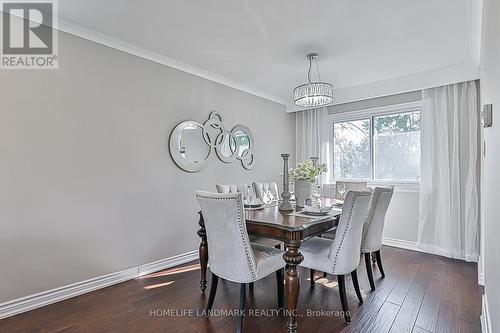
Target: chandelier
316, 93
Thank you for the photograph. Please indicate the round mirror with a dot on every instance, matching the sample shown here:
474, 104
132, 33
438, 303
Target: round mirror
244, 145
226, 147
243, 142
187, 146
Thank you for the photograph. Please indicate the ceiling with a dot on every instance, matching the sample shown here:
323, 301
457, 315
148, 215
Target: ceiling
262, 44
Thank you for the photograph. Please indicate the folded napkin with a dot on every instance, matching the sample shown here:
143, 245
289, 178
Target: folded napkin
254, 201
313, 209
312, 217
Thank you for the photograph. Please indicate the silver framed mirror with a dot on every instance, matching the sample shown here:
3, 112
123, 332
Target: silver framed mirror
191, 144
244, 145
187, 147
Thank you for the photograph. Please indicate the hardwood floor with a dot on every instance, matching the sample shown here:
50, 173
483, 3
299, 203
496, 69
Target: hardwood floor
421, 293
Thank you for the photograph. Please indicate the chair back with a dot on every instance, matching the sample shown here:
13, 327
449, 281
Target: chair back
231, 255
345, 250
328, 191
262, 190
234, 188
373, 228
349, 186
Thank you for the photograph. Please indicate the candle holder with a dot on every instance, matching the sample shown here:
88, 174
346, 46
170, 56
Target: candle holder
285, 205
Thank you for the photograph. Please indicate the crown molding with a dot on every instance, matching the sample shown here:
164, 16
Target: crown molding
120, 45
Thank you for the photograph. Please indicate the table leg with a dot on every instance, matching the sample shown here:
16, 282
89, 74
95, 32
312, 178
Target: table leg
203, 253
293, 258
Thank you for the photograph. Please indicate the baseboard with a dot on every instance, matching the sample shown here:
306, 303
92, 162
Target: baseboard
485, 317
44, 298
409, 245
402, 244
162, 264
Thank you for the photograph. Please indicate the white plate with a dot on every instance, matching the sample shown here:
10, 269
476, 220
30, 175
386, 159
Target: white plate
253, 205
315, 213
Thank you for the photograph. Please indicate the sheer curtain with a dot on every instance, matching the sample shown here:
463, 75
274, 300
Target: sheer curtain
312, 137
449, 201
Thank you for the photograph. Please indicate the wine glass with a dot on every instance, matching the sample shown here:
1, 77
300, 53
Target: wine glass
342, 189
291, 189
316, 195
267, 196
247, 193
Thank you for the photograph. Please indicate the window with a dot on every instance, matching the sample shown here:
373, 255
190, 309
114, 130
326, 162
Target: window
352, 149
377, 146
396, 145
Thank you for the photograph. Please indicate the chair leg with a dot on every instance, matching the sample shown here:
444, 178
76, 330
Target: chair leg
311, 275
280, 275
354, 277
369, 271
211, 297
343, 298
243, 291
379, 263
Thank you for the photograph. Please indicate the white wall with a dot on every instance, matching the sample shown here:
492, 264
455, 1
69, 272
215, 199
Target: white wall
401, 222
490, 93
422, 80
87, 185
411, 96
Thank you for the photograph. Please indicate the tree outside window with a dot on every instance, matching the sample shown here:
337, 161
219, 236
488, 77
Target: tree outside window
382, 147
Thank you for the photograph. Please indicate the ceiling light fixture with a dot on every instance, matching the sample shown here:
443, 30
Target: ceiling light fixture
316, 93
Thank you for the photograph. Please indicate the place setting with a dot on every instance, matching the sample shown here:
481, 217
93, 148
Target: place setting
252, 202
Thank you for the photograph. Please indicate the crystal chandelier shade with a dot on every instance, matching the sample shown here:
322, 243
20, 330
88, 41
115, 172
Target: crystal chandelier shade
313, 94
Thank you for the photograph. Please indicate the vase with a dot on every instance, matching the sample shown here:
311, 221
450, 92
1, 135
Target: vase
303, 190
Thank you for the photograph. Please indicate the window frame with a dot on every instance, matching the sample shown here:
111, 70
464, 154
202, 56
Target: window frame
401, 185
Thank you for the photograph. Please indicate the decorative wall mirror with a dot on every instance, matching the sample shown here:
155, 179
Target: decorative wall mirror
191, 143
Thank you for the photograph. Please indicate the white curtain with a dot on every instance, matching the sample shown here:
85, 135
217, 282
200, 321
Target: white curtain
449, 201
312, 137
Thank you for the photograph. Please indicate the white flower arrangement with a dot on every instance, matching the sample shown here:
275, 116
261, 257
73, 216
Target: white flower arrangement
307, 171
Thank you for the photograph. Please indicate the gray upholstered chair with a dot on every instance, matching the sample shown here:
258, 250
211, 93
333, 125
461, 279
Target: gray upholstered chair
263, 190
341, 255
373, 229
233, 188
232, 256
361, 187
328, 191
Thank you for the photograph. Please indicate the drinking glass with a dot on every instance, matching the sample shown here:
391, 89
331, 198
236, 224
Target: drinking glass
342, 189
316, 195
291, 189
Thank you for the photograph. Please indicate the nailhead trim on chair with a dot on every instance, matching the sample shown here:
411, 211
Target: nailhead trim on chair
370, 219
345, 232
240, 225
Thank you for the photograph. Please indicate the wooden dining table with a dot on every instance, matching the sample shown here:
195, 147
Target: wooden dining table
292, 230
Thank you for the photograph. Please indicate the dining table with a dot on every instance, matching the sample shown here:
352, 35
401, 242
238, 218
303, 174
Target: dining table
290, 227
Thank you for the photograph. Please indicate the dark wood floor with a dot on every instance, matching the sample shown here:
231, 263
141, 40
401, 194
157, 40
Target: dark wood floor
421, 293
